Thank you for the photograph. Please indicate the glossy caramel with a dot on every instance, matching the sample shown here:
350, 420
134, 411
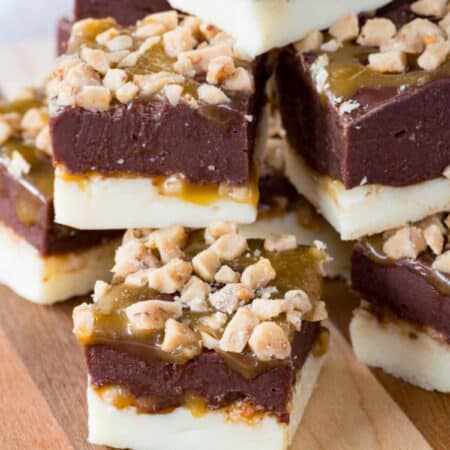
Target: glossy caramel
296, 269
348, 71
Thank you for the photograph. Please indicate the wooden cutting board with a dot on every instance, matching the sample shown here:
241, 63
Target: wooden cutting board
42, 374
42, 389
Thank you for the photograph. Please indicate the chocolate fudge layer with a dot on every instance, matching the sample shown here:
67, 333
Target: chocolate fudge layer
211, 376
204, 131
239, 330
26, 186
412, 288
126, 12
358, 125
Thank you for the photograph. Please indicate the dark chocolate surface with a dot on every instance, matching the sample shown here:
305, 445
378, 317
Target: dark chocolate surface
387, 140
211, 144
406, 287
126, 12
208, 376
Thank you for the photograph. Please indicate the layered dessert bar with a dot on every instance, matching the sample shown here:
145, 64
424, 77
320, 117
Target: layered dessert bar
259, 26
155, 125
40, 260
203, 337
364, 105
282, 209
403, 324
126, 12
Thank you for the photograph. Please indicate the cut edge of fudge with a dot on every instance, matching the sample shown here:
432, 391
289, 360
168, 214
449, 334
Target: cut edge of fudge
182, 301
399, 348
335, 126
366, 209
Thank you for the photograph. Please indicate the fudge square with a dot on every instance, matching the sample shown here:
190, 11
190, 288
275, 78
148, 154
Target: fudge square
154, 125
40, 260
259, 26
126, 12
365, 109
403, 324
203, 331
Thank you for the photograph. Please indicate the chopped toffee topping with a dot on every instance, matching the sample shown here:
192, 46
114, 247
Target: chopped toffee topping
377, 52
177, 291
174, 57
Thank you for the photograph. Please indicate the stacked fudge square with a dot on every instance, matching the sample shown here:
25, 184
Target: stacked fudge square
216, 137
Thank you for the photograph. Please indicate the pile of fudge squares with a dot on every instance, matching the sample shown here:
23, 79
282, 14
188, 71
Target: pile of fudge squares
223, 158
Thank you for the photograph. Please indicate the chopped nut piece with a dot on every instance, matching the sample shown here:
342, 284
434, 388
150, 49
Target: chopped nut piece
97, 59
267, 309
206, 264
94, 98
408, 242
177, 335
230, 246
214, 322
43, 141
217, 229
148, 44
194, 294
149, 30
151, 315
150, 84
280, 243
238, 331
80, 75
120, 43
83, 322
393, 61
171, 277
434, 238
299, 299
295, 319
117, 57
17, 166
173, 93
230, 297
227, 275
269, 341
240, 80
127, 92
346, 28
90, 28
106, 36
435, 8
208, 341
413, 37
219, 69
169, 19
100, 289
115, 79
238, 193
442, 262
332, 45
318, 313
212, 95
34, 120
198, 60
131, 257
168, 241
5, 131
178, 41
208, 30
139, 278
312, 41
377, 32
445, 24
434, 55
259, 274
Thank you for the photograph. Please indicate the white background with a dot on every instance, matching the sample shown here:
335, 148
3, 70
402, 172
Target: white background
30, 20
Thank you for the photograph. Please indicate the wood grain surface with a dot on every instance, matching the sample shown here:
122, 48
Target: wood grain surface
42, 389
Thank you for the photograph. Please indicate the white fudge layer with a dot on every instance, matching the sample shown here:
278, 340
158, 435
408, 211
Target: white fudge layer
179, 430
260, 25
116, 203
368, 209
289, 223
419, 360
51, 279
